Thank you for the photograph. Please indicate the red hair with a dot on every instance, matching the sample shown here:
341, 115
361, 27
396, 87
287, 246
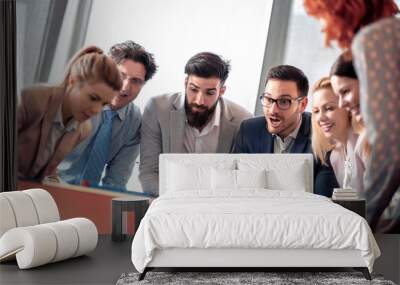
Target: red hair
344, 18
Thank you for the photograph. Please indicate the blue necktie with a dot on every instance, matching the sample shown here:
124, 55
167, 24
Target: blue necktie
99, 150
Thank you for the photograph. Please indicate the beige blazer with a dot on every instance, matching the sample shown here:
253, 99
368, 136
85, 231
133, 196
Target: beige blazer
36, 111
163, 128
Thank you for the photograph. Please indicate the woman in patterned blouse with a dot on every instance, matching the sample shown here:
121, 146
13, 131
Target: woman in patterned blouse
370, 29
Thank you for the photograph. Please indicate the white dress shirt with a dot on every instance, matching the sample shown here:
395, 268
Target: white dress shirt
286, 144
58, 129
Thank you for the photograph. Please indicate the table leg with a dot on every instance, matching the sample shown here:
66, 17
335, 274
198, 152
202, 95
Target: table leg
116, 234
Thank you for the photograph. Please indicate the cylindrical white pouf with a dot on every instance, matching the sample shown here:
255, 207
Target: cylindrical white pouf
7, 218
67, 239
45, 205
87, 234
37, 245
23, 208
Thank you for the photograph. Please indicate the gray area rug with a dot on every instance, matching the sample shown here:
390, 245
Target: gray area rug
228, 278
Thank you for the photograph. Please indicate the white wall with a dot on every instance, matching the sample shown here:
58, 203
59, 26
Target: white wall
174, 30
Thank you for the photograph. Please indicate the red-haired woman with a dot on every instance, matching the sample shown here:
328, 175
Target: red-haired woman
370, 29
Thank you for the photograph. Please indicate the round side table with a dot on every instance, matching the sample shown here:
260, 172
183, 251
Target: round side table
136, 204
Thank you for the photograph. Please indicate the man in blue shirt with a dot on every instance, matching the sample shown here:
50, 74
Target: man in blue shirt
137, 66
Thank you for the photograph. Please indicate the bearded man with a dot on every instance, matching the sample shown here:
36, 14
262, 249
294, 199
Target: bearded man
200, 121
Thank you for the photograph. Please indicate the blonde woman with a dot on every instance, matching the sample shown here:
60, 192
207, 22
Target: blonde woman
52, 120
333, 137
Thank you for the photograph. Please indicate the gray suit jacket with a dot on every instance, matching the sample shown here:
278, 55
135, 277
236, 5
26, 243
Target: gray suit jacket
163, 126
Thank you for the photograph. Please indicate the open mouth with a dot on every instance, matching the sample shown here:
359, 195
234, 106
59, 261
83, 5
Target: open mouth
275, 121
124, 94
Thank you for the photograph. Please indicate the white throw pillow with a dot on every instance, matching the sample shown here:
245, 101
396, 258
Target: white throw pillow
226, 179
251, 178
183, 177
291, 179
281, 173
223, 179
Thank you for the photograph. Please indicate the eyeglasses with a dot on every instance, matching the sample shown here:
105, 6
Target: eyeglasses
282, 103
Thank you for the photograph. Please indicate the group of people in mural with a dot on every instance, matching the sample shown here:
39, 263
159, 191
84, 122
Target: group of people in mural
88, 131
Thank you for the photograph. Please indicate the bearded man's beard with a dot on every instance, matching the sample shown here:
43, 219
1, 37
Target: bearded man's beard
199, 119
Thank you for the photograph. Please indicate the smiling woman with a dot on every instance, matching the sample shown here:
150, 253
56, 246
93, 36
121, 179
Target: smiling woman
52, 120
333, 138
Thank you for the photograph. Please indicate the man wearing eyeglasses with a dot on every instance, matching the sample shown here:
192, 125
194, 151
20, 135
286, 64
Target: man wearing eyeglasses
285, 127
115, 140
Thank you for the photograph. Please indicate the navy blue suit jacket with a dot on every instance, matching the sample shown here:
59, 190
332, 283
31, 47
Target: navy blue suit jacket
254, 137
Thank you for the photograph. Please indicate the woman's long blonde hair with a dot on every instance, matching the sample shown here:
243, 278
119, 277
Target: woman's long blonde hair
91, 65
320, 144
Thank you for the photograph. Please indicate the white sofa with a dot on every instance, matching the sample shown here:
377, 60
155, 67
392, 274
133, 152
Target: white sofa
31, 231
